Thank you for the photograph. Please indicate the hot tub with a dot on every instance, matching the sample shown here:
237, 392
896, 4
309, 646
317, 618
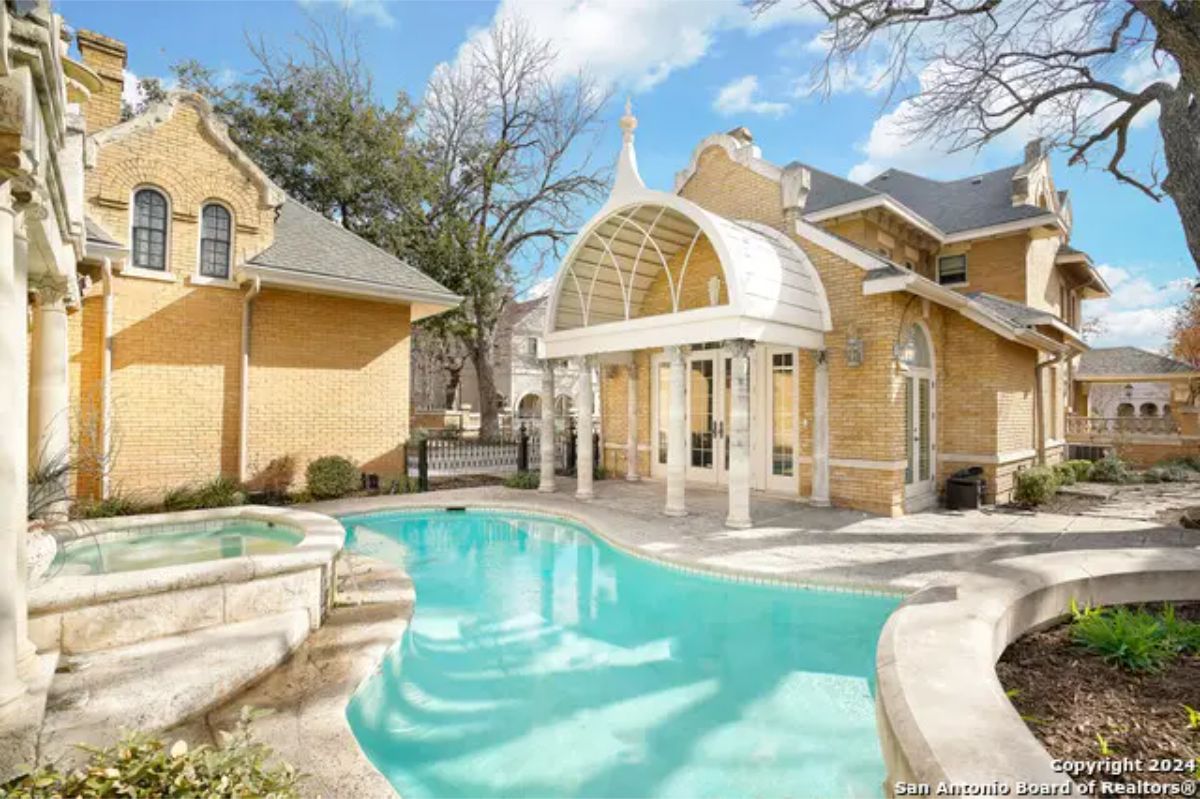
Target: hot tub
124, 580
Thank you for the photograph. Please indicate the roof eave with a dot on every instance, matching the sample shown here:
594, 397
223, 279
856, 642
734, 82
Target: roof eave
1134, 377
424, 303
880, 201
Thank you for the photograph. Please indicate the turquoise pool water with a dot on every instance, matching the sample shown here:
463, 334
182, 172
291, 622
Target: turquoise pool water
186, 544
541, 662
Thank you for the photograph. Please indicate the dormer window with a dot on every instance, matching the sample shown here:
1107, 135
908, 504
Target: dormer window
215, 237
952, 269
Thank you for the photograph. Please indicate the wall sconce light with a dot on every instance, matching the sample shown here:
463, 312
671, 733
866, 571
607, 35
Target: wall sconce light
714, 290
855, 347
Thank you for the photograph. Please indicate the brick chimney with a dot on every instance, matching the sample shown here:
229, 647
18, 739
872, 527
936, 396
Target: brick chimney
107, 58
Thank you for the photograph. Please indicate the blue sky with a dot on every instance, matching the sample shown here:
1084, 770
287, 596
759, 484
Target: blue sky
693, 68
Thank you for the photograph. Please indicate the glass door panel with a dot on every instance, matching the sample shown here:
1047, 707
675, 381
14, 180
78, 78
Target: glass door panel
701, 417
663, 410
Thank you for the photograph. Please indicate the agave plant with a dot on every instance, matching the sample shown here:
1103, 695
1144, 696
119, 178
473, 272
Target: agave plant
49, 481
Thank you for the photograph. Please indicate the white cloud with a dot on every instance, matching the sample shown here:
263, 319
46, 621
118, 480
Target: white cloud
131, 95
638, 44
539, 289
869, 74
1140, 311
738, 97
375, 11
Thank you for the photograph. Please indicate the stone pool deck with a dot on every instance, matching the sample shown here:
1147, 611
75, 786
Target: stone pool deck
831, 547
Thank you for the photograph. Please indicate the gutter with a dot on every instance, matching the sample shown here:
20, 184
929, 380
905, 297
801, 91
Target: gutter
106, 333
244, 387
379, 292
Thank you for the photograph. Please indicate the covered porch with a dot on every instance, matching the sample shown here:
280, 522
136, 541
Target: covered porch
713, 328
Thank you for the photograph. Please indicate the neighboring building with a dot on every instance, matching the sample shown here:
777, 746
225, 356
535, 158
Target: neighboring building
225, 325
891, 333
1128, 398
518, 375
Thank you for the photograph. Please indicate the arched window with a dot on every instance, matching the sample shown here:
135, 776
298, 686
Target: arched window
216, 234
150, 230
1125, 409
1149, 409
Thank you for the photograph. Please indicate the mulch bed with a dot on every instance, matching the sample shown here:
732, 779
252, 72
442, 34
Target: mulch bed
1068, 504
1067, 695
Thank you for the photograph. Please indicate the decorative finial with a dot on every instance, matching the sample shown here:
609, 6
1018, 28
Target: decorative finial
628, 122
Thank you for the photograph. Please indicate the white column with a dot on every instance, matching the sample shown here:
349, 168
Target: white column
677, 432
739, 435
49, 422
631, 422
820, 461
14, 446
546, 440
583, 441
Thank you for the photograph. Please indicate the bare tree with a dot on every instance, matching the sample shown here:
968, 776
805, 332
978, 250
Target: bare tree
506, 135
1068, 67
438, 360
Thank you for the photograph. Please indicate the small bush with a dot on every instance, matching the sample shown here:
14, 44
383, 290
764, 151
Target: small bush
1189, 462
1167, 473
221, 492
1182, 635
1035, 485
1111, 470
117, 504
331, 477
1082, 469
522, 480
400, 484
142, 766
276, 477
1065, 474
1132, 640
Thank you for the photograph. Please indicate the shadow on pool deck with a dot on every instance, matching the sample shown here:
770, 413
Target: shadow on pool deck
793, 542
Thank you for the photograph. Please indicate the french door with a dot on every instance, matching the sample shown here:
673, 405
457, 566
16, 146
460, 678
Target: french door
706, 417
919, 472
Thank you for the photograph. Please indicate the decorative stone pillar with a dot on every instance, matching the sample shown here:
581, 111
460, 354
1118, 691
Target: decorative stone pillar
631, 422
677, 432
738, 440
820, 460
14, 447
546, 440
583, 445
49, 421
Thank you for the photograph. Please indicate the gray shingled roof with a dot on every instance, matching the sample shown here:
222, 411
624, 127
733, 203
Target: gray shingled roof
308, 243
95, 232
1012, 312
957, 205
1128, 361
827, 191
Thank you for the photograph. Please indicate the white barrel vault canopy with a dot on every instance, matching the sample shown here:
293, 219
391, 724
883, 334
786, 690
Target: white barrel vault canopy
774, 293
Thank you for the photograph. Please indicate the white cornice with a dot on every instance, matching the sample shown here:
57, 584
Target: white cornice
748, 155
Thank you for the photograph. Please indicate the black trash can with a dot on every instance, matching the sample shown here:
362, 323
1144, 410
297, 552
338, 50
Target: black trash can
965, 489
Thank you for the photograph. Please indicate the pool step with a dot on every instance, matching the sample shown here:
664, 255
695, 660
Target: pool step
161, 683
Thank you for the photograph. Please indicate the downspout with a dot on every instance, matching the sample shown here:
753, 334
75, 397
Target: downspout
244, 388
106, 379
1040, 405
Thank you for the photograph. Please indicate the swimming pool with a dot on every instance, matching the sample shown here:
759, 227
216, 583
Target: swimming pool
543, 662
138, 549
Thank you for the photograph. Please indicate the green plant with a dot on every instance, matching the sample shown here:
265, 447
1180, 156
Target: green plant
49, 478
1035, 485
331, 477
1105, 749
1111, 470
1082, 469
1132, 640
1181, 634
1190, 462
1167, 473
276, 477
142, 766
117, 504
221, 492
1065, 474
1078, 612
522, 480
1193, 717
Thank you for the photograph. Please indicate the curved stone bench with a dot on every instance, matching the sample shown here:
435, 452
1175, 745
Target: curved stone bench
942, 714
83, 613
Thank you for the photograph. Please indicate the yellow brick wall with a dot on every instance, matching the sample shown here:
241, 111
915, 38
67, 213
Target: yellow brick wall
996, 266
310, 397
332, 373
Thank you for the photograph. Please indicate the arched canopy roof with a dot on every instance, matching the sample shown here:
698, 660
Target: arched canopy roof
772, 291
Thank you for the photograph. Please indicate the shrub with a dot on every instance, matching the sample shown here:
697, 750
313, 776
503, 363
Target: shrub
1167, 473
117, 504
276, 477
1190, 462
221, 492
1111, 470
1035, 485
1133, 640
331, 477
1182, 635
1065, 474
400, 484
1082, 469
142, 766
522, 480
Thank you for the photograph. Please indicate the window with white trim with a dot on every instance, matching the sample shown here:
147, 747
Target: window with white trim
216, 234
150, 230
952, 269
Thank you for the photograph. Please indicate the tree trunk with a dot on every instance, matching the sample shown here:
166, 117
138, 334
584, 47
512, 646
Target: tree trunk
450, 392
485, 374
1179, 123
